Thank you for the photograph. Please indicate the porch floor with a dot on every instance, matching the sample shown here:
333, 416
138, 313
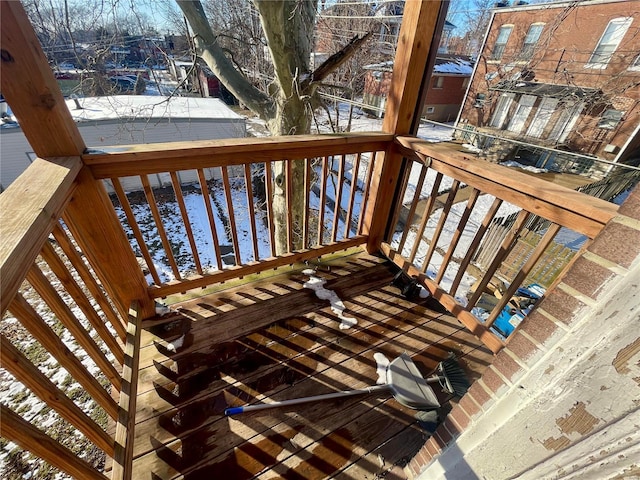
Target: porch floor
274, 339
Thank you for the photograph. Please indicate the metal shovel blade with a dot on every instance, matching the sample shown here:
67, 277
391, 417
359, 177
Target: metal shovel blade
408, 386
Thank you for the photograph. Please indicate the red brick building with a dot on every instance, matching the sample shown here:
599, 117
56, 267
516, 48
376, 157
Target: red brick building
564, 75
445, 93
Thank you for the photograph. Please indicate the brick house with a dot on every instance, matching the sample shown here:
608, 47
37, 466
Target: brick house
564, 75
446, 90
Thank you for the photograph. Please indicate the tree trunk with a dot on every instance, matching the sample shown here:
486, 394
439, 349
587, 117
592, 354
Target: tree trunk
288, 27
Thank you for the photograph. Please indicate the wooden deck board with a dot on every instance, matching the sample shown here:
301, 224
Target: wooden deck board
276, 340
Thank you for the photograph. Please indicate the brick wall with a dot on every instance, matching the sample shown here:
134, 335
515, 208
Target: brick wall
571, 33
579, 315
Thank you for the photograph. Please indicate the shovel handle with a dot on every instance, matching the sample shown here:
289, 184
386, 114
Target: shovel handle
295, 401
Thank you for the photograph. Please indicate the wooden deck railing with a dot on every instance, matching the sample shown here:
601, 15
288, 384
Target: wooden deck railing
64, 316
235, 234
54, 292
427, 230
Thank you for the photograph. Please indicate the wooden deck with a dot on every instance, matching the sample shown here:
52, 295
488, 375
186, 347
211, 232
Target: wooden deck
273, 340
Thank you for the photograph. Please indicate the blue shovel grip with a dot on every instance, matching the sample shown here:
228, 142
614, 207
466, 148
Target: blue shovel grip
233, 410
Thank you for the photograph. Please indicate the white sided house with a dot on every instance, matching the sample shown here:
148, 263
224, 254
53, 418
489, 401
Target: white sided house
126, 120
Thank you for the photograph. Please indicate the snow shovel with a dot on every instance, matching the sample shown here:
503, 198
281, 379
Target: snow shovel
404, 381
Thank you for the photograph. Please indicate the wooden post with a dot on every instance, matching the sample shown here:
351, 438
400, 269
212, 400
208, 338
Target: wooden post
30, 88
417, 43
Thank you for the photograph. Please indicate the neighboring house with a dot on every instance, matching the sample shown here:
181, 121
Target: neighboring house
445, 93
125, 120
563, 75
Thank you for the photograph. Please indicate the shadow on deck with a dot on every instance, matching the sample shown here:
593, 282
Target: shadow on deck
274, 340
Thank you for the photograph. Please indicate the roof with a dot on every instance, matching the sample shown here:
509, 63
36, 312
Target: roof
146, 107
546, 89
445, 64
558, 4
454, 65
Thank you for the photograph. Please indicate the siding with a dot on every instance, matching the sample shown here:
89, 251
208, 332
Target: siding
14, 145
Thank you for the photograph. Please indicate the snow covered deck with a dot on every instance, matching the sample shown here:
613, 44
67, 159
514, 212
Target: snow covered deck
274, 339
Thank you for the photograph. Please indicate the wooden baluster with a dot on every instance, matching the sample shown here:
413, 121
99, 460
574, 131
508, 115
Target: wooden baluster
177, 189
412, 209
31, 377
365, 195
232, 217
153, 206
288, 198
89, 280
426, 215
355, 167
522, 274
268, 181
501, 254
40, 282
52, 343
474, 245
397, 212
338, 199
60, 270
323, 196
206, 197
440, 226
251, 211
307, 206
457, 234
133, 224
21, 432
125, 426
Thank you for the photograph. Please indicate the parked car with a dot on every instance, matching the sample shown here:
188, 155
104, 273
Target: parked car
123, 83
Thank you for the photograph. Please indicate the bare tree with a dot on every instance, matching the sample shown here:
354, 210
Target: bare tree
290, 96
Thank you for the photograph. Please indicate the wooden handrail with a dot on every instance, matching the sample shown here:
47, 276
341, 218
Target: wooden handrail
130, 160
568, 208
29, 209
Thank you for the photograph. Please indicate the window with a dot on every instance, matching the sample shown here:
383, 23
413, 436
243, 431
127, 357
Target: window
500, 115
525, 105
635, 65
565, 122
431, 109
438, 82
609, 42
542, 117
531, 40
610, 119
501, 42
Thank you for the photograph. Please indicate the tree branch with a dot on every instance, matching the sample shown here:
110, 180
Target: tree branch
335, 60
210, 51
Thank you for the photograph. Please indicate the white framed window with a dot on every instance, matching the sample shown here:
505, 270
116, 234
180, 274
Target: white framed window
565, 122
501, 42
543, 115
438, 82
431, 109
635, 65
609, 42
502, 109
610, 119
531, 40
519, 118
